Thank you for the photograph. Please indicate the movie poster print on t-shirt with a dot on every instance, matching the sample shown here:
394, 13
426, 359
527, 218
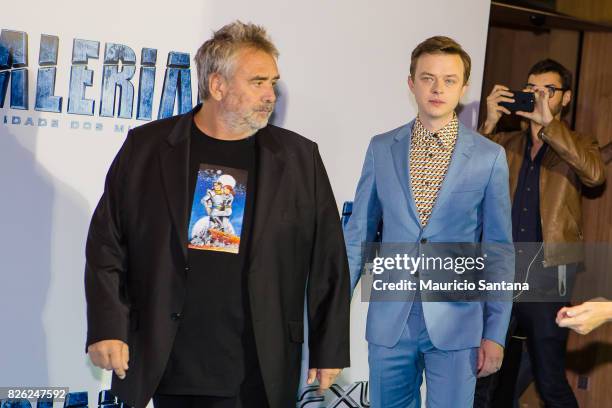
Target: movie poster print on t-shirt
217, 210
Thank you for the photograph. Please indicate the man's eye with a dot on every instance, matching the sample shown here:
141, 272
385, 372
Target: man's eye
450, 82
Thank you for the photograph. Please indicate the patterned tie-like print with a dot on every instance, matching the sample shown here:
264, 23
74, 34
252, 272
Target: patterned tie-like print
430, 156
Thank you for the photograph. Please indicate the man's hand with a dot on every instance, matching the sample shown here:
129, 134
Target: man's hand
325, 376
585, 317
499, 94
110, 355
490, 357
541, 114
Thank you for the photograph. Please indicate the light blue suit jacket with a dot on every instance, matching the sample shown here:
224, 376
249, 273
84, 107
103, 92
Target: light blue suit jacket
473, 205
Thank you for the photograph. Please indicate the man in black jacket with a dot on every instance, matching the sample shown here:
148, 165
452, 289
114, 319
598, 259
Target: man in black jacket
212, 227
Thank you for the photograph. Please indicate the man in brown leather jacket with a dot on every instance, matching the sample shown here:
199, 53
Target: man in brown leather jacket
548, 165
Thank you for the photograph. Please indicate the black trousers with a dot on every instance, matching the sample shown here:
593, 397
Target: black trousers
546, 343
252, 395
193, 401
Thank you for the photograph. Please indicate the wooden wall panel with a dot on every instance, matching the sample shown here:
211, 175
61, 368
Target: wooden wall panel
591, 355
593, 10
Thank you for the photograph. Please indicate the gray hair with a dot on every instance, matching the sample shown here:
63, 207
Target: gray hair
217, 54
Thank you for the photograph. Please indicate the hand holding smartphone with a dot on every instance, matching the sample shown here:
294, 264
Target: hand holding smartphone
502, 101
523, 101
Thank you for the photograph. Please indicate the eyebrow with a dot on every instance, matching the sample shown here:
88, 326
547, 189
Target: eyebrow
264, 78
446, 76
530, 84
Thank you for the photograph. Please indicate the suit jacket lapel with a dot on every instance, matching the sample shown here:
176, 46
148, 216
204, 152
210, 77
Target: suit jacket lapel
400, 151
174, 158
459, 158
270, 175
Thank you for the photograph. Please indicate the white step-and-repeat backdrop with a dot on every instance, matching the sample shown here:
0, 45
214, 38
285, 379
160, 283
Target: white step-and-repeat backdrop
344, 66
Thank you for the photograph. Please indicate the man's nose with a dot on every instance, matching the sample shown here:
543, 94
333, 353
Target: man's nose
269, 95
437, 87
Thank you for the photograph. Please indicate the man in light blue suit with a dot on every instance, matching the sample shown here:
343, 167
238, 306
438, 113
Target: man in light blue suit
433, 181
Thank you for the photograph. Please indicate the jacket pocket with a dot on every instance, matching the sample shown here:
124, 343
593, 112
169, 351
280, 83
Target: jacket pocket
468, 187
296, 331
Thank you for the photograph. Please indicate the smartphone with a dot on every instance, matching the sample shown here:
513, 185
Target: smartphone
523, 101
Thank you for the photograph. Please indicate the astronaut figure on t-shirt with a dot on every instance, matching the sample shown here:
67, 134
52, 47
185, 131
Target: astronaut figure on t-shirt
223, 200
213, 202
226, 210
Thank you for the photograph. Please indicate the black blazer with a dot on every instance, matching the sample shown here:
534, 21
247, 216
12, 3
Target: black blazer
136, 258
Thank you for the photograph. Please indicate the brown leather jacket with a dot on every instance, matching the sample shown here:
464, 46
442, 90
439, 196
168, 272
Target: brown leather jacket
571, 160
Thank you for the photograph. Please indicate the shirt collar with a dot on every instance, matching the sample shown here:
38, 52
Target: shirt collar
447, 135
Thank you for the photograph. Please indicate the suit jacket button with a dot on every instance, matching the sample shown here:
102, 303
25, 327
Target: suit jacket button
175, 316
423, 240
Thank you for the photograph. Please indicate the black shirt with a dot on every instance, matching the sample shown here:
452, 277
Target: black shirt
214, 345
526, 221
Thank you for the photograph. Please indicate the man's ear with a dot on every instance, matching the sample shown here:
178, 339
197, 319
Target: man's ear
464, 88
410, 83
567, 98
217, 85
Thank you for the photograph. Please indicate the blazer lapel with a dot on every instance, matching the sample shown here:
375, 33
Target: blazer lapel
400, 151
459, 158
270, 172
174, 158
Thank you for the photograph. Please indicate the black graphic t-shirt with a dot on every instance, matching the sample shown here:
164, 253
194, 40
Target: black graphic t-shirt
214, 345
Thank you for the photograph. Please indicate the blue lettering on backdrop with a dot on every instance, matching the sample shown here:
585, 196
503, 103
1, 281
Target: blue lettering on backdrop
81, 77
117, 93
177, 85
13, 60
112, 79
146, 84
46, 101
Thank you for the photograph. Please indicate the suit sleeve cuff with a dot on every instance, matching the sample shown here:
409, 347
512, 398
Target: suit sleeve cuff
502, 344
